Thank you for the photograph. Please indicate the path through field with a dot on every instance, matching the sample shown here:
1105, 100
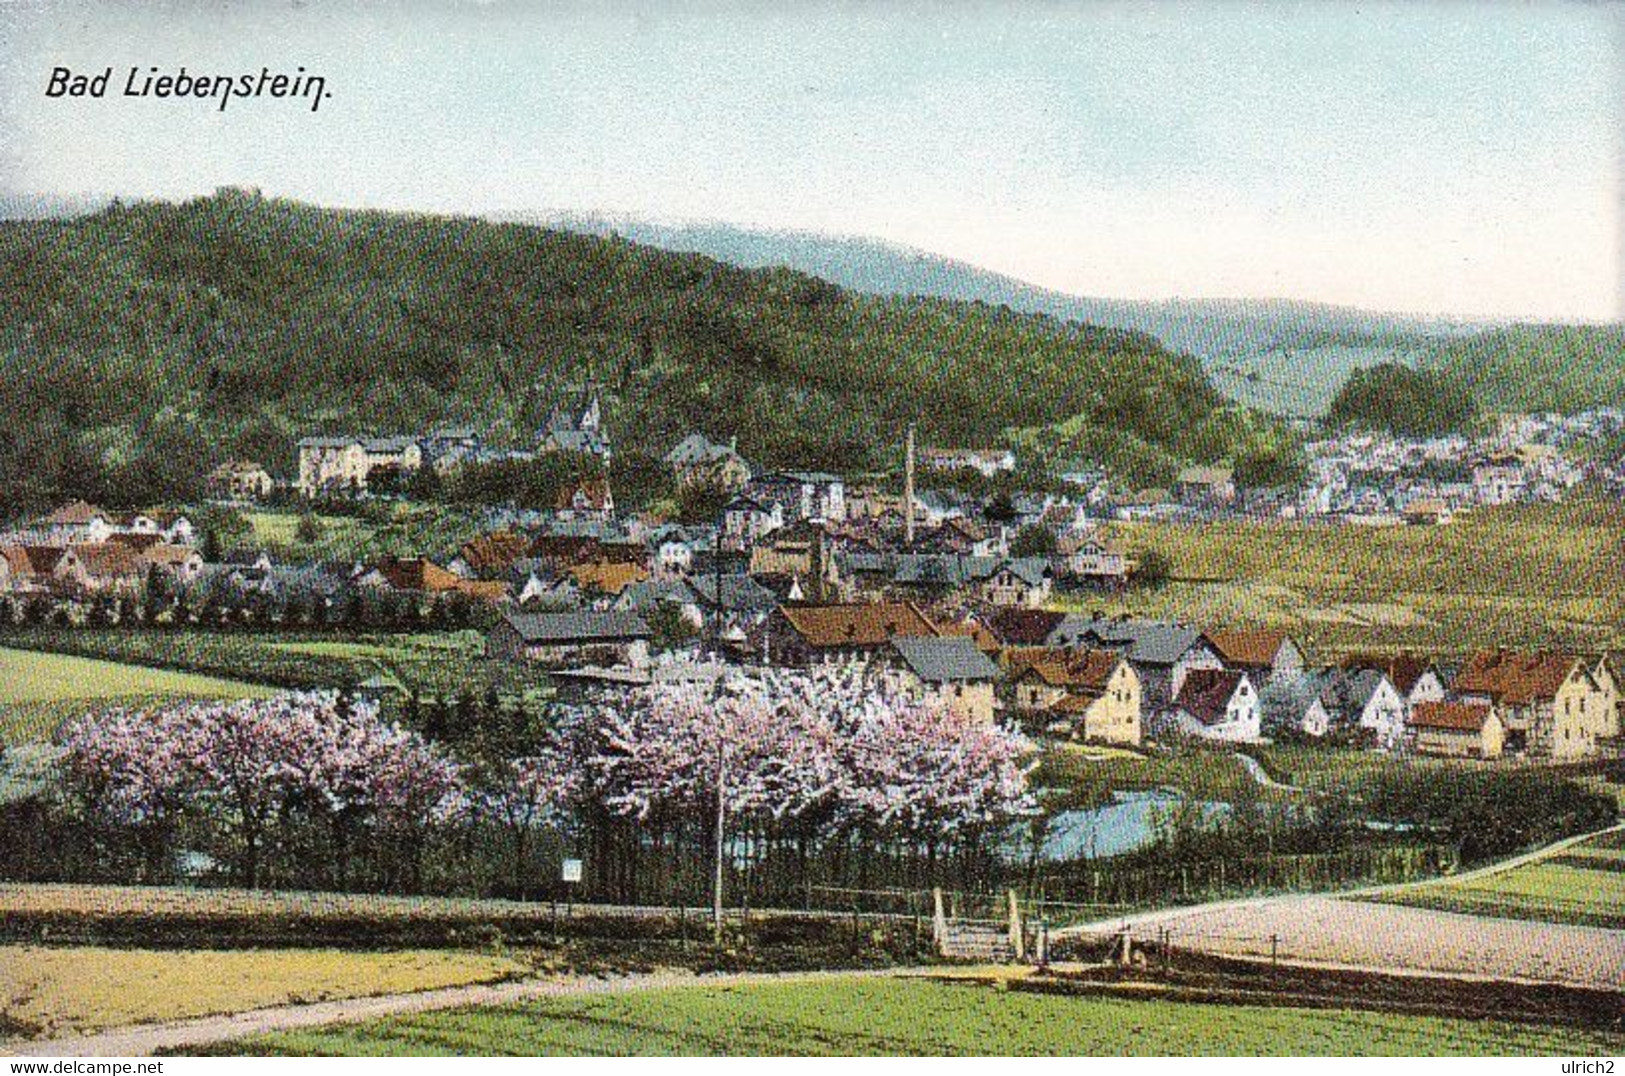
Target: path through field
146, 1039
1332, 930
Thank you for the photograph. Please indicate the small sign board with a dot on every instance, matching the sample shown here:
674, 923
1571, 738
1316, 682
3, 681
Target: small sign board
571, 871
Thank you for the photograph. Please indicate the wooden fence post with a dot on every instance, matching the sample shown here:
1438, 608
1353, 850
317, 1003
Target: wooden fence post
1018, 940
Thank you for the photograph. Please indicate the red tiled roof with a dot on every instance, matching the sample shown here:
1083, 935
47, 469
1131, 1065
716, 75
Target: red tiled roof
1206, 693
1024, 627
1450, 716
109, 560
1072, 669
496, 551
1515, 679
1249, 649
857, 624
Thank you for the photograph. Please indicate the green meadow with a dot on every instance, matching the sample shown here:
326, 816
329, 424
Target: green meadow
910, 1016
1527, 575
1583, 885
39, 690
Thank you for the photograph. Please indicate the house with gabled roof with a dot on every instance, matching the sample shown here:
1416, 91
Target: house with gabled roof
697, 460
1091, 558
240, 481
77, 521
1417, 679
1022, 582
1550, 703
1216, 704
949, 671
1456, 730
1261, 653
1366, 700
810, 495
1206, 487
423, 576
1091, 695
588, 499
1163, 653
802, 635
1026, 627
601, 637
606, 578
490, 556
746, 519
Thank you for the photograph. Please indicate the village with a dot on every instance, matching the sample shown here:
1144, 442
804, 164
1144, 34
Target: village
979, 603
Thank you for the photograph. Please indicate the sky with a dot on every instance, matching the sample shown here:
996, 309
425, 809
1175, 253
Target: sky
1440, 156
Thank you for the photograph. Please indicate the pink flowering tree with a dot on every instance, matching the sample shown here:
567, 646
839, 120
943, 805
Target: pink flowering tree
247, 766
524, 794
129, 770
804, 755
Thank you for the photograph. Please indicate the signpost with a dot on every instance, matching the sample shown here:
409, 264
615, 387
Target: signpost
570, 874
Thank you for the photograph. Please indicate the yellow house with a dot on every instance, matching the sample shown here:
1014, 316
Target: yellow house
1090, 694
949, 671
1550, 704
1456, 730
343, 464
1607, 724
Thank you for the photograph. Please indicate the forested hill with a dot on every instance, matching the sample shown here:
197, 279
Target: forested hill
145, 342
1540, 367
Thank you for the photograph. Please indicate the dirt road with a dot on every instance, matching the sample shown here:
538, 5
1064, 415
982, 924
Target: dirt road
142, 1040
1328, 929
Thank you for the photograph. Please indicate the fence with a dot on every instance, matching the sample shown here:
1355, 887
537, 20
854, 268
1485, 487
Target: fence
1075, 892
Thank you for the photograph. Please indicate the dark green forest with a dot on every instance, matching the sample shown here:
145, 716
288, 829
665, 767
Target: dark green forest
1522, 368
1402, 400
146, 342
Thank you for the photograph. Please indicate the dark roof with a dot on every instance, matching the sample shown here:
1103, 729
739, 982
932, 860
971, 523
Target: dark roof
1206, 693
1404, 670
1145, 642
586, 626
935, 660
1024, 627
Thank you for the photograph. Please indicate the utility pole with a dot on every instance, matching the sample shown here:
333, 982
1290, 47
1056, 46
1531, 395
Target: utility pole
908, 489
722, 821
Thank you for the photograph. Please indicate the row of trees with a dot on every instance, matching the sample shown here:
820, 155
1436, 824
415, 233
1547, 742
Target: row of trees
811, 777
218, 602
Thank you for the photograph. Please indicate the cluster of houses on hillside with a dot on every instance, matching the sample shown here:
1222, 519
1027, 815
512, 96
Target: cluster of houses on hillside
939, 609
356, 464
81, 549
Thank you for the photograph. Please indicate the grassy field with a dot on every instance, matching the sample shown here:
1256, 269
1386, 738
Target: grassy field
913, 1017
1318, 768
1522, 575
398, 530
37, 691
1584, 885
432, 662
53, 991
1088, 777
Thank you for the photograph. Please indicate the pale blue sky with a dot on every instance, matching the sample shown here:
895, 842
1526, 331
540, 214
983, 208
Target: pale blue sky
1445, 157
